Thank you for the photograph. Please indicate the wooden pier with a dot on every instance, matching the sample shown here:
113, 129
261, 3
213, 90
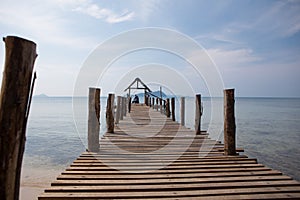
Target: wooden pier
149, 156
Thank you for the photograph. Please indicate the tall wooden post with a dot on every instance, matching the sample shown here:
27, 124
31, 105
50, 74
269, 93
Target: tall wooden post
94, 119
129, 104
229, 123
173, 108
198, 114
14, 110
121, 108
145, 98
156, 104
110, 123
153, 104
160, 106
118, 112
168, 113
125, 105
182, 111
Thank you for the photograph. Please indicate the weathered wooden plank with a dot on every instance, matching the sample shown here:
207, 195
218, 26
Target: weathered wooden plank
169, 181
273, 193
111, 163
169, 167
136, 161
168, 175
174, 171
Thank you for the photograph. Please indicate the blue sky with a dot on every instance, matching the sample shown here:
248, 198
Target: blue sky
255, 44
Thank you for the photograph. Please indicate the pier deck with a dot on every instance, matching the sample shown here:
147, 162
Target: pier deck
149, 156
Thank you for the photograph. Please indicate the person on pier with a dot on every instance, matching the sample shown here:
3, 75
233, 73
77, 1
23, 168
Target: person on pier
136, 99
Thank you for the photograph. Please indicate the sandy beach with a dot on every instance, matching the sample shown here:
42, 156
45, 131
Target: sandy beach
35, 180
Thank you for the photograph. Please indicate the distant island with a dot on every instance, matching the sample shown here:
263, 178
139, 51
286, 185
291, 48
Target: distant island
41, 96
156, 93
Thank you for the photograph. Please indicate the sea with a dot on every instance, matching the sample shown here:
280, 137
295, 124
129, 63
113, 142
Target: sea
267, 128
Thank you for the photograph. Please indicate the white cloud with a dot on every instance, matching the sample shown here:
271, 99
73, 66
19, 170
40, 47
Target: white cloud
146, 8
282, 19
107, 15
232, 58
42, 23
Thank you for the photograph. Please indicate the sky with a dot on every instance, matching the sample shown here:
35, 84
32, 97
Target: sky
254, 45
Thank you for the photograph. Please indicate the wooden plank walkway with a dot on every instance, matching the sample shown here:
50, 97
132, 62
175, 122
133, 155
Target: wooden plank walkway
150, 157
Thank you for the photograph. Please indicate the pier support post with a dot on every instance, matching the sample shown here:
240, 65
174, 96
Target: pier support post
173, 108
15, 98
168, 113
198, 114
118, 112
182, 110
153, 105
121, 108
94, 119
156, 104
110, 123
161, 106
125, 106
229, 123
129, 104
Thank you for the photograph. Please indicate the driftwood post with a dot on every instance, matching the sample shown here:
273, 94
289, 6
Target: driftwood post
198, 114
14, 110
229, 123
173, 108
110, 113
94, 119
168, 108
182, 110
118, 112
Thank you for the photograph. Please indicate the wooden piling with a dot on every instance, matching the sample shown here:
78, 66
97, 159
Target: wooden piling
198, 114
173, 108
94, 119
118, 112
229, 123
110, 123
125, 105
121, 108
156, 104
153, 104
14, 109
129, 104
160, 106
182, 111
168, 113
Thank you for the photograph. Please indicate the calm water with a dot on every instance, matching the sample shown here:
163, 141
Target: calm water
267, 128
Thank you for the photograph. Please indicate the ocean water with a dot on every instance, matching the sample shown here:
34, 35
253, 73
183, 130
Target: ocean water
267, 128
